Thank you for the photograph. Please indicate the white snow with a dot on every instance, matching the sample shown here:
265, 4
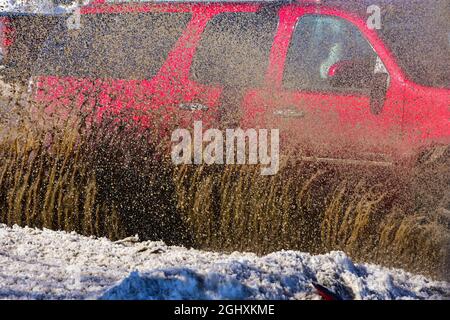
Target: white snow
44, 264
39, 6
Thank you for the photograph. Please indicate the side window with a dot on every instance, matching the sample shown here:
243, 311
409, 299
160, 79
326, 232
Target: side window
318, 45
234, 50
117, 46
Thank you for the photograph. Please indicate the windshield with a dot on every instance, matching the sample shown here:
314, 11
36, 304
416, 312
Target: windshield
419, 37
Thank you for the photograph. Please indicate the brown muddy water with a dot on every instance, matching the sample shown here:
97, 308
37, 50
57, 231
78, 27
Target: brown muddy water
115, 181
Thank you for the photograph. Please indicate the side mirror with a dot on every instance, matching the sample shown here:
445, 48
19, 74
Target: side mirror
359, 74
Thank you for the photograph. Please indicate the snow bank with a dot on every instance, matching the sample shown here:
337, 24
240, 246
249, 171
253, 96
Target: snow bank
36, 264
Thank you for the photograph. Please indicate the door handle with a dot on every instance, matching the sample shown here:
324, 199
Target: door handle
290, 112
193, 106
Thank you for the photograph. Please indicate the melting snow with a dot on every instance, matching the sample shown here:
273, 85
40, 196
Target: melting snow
44, 264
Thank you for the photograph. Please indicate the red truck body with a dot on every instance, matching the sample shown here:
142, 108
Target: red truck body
408, 115
6, 35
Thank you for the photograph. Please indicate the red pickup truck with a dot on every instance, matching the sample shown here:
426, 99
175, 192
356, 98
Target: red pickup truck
314, 69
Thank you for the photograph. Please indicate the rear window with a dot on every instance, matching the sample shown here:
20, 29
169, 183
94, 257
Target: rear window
118, 46
234, 49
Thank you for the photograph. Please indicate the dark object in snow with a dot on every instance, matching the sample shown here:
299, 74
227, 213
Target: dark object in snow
158, 251
326, 293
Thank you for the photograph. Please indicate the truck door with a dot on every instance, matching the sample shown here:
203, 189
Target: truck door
231, 59
331, 94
